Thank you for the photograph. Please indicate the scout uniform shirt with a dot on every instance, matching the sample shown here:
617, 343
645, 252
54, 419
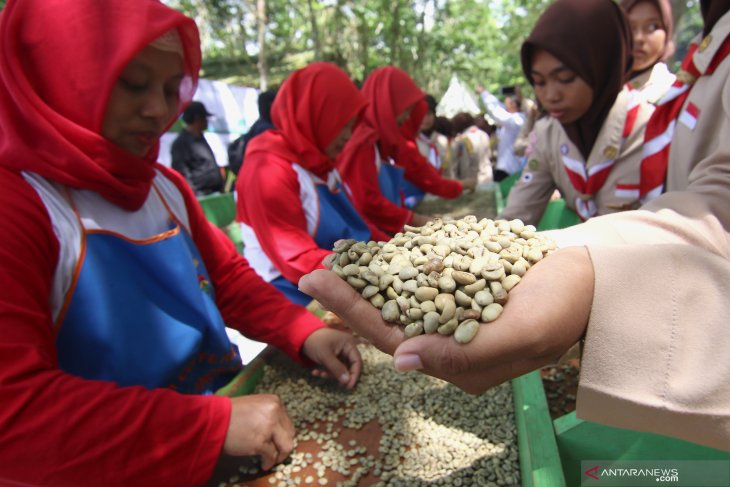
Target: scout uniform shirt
606, 183
653, 83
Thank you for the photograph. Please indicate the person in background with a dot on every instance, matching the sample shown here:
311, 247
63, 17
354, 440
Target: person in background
237, 148
430, 142
418, 172
192, 156
590, 146
445, 134
472, 151
510, 120
532, 113
652, 28
590, 290
292, 204
115, 287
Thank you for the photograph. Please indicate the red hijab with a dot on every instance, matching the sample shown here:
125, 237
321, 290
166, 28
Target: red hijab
592, 38
389, 91
59, 60
412, 126
311, 108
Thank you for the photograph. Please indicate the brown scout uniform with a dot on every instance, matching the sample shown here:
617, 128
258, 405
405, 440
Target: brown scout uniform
551, 151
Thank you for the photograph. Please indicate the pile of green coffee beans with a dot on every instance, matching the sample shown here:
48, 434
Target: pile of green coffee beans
392, 430
446, 277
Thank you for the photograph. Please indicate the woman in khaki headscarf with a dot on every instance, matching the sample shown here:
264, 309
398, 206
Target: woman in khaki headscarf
578, 58
652, 28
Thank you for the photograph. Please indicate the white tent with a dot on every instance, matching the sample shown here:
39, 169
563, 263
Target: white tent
458, 98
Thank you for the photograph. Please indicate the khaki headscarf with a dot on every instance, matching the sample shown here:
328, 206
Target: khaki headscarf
665, 10
592, 38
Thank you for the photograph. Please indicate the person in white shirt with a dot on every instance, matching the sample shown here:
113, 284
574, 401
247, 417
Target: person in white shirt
510, 120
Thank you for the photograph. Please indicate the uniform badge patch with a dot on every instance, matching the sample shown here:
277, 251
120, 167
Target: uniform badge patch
564, 149
705, 43
610, 152
533, 164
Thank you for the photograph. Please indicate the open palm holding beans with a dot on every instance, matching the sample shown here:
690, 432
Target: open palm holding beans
547, 313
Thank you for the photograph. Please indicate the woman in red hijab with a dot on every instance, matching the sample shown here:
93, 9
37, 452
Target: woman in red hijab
115, 287
652, 28
291, 201
383, 151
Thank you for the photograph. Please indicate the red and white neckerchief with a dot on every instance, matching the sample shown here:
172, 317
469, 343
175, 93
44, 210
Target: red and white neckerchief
660, 129
588, 181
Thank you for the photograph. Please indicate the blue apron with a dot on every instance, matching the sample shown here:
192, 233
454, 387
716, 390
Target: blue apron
391, 180
338, 220
412, 194
143, 313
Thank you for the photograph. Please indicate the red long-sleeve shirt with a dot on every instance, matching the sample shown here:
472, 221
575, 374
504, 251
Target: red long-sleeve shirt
357, 166
269, 202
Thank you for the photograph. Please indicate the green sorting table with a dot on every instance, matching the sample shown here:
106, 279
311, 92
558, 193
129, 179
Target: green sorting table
220, 210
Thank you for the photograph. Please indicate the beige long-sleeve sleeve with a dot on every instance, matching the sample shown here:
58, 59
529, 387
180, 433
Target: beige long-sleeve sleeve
655, 356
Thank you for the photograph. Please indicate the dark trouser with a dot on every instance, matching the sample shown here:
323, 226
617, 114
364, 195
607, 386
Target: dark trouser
499, 175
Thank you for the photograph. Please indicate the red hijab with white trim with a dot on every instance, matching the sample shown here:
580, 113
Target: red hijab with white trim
389, 91
311, 108
59, 60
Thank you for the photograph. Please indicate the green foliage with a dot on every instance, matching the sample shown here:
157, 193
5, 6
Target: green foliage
687, 28
479, 40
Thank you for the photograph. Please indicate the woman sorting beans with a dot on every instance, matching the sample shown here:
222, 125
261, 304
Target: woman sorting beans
379, 156
291, 199
115, 287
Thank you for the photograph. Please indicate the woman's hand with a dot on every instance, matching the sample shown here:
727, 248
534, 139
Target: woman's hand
337, 354
546, 314
468, 185
259, 426
419, 220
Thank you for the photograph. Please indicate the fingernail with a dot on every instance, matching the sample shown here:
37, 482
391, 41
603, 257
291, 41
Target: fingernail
344, 378
304, 278
406, 362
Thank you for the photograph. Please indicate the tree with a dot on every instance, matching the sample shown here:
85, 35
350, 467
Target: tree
479, 40
261, 23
